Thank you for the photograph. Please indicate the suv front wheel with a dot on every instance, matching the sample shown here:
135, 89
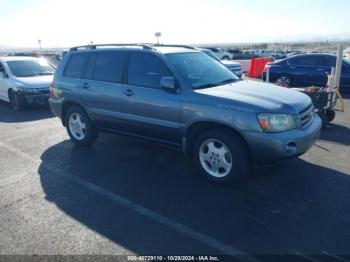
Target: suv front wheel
79, 127
221, 156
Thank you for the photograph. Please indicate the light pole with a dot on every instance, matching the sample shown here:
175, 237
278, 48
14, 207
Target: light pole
158, 35
39, 42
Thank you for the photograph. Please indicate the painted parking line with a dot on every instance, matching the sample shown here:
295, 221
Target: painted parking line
225, 249
334, 256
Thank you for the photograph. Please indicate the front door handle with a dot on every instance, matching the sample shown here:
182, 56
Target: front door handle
129, 92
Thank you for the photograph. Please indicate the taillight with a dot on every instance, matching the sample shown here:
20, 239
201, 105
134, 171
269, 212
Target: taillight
51, 90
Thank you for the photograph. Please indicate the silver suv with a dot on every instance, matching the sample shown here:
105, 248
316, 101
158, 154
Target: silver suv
184, 98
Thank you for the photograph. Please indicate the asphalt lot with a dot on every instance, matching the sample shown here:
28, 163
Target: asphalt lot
125, 196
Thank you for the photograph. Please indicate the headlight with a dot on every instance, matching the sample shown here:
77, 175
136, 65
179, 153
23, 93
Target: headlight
276, 122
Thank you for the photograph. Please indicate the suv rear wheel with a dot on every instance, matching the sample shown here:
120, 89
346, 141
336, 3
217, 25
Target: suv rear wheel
221, 156
79, 127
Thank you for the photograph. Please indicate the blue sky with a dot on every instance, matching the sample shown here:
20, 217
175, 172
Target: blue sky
72, 22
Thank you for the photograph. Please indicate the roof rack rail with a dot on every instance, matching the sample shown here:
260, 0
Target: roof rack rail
183, 46
76, 48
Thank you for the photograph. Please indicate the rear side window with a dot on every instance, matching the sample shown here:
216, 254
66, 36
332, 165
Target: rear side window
146, 70
307, 61
76, 65
109, 67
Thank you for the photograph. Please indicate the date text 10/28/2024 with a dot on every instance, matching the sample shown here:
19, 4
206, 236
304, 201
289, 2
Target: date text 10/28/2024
173, 258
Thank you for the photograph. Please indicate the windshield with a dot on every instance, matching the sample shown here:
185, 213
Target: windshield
28, 68
201, 70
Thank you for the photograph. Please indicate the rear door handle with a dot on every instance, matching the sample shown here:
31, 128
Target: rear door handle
129, 92
85, 85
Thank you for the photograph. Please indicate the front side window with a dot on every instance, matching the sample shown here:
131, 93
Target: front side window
109, 67
146, 70
30, 68
201, 70
76, 65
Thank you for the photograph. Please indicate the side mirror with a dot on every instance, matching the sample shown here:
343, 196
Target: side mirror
168, 83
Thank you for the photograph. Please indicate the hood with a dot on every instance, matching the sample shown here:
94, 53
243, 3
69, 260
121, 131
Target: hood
261, 97
35, 81
230, 63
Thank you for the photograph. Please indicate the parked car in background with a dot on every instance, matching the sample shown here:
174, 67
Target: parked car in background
52, 58
308, 69
236, 53
279, 55
248, 54
265, 53
293, 53
223, 55
25, 81
346, 53
235, 67
181, 97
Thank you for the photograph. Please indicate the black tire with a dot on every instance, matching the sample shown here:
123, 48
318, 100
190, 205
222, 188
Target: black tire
17, 102
324, 118
237, 148
330, 114
91, 133
286, 79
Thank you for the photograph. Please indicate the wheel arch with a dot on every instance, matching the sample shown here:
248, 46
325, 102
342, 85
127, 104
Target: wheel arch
198, 127
9, 91
66, 105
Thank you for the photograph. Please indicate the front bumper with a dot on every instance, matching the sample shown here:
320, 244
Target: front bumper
56, 107
272, 147
37, 99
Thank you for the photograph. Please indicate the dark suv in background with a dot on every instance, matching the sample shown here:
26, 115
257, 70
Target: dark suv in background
309, 69
184, 98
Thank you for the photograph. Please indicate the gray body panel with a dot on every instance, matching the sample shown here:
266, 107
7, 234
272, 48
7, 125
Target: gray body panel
157, 114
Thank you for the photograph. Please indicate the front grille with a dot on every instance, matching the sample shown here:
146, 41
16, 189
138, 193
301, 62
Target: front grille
43, 90
306, 115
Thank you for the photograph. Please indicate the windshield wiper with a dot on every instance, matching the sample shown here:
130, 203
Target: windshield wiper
227, 81
206, 86
45, 73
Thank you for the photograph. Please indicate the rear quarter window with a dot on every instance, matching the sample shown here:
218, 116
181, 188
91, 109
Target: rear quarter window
76, 65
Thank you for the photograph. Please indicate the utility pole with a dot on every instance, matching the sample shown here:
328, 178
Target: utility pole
338, 66
158, 35
39, 42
